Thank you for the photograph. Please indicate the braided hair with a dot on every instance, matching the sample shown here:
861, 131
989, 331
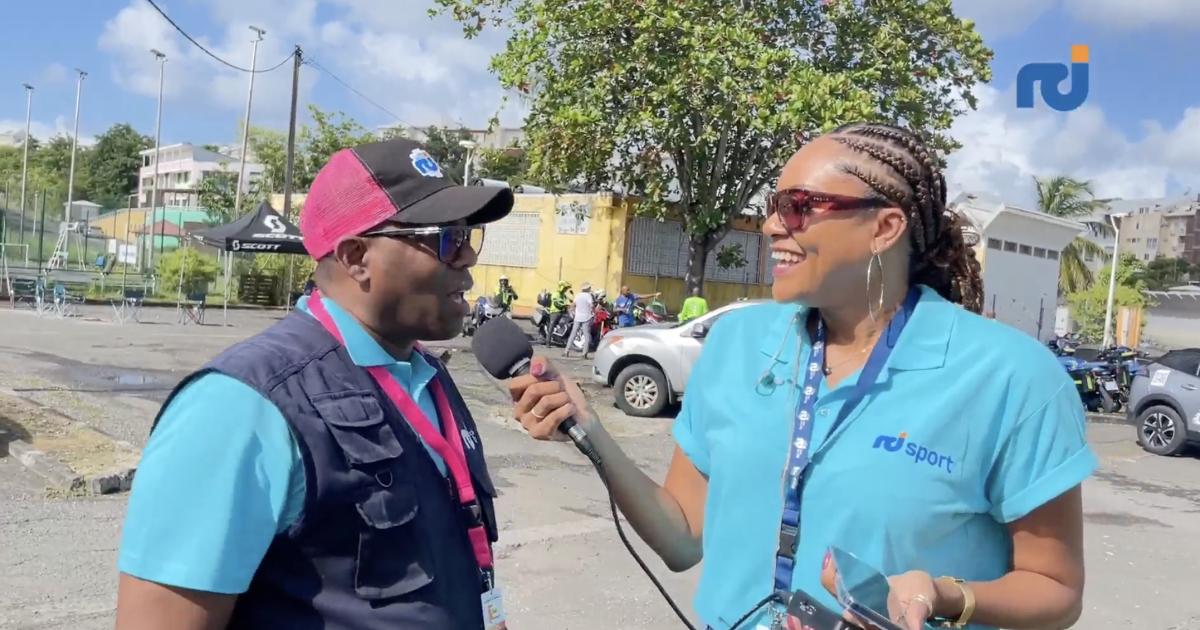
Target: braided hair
911, 179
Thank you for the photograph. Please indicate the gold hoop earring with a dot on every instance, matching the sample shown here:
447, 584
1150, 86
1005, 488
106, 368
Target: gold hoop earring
871, 263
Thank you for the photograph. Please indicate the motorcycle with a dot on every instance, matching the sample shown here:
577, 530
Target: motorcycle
1124, 363
1064, 345
1096, 383
652, 313
486, 309
542, 321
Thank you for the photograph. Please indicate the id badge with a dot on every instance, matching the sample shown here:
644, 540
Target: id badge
493, 610
776, 619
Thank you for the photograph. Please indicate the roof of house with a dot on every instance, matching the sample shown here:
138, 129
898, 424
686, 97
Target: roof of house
200, 154
981, 210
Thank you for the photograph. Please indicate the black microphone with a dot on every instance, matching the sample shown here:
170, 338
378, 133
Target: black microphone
505, 352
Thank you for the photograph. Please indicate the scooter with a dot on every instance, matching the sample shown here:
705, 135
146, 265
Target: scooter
1096, 383
486, 309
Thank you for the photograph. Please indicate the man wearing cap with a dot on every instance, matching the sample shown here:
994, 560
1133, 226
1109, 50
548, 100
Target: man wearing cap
326, 473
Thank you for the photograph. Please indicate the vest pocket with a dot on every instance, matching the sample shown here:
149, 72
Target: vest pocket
357, 423
391, 561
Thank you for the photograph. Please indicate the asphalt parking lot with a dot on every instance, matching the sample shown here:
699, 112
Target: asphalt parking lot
560, 561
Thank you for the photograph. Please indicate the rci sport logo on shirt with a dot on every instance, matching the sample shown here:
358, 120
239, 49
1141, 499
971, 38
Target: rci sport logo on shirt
918, 453
1048, 76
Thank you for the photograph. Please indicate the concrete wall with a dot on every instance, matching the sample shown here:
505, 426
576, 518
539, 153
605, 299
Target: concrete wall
1021, 287
1174, 322
595, 256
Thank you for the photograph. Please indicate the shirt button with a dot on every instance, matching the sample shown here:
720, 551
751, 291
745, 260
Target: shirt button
823, 412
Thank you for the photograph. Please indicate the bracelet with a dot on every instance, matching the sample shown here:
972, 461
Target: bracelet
968, 603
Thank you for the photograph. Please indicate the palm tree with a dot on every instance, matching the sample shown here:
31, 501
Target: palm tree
1071, 198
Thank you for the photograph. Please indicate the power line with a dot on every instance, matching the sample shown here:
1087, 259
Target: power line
209, 52
309, 61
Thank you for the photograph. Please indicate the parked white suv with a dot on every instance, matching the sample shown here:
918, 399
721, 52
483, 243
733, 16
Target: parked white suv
648, 366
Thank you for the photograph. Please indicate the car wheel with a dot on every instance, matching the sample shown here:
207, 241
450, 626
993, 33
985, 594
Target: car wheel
641, 390
1161, 431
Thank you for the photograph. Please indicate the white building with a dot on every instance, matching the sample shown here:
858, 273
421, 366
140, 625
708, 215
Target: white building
181, 169
499, 138
1019, 251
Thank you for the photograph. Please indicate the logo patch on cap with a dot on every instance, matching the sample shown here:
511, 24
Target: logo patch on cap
424, 163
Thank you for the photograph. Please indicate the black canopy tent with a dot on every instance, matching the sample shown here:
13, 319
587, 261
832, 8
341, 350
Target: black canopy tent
263, 231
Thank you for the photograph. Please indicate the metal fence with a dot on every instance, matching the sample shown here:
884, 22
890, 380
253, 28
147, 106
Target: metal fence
660, 248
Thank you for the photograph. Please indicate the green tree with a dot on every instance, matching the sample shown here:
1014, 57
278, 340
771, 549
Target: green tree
1163, 273
1070, 198
270, 149
693, 105
197, 270
215, 193
442, 143
115, 164
509, 165
1088, 305
331, 132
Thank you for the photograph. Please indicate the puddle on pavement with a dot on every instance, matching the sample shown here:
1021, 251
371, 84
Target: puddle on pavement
72, 375
134, 378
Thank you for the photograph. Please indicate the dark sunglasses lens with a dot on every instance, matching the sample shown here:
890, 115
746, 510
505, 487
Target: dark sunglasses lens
453, 239
792, 210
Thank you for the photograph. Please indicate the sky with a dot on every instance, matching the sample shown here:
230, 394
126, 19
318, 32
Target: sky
1137, 135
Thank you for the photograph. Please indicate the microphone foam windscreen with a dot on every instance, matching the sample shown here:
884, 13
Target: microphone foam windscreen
499, 345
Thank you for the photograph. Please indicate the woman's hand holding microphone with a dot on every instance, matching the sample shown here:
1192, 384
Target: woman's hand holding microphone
544, 398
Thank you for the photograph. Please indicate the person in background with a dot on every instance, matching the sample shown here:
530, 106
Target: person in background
309, 285
505, 294
326, 473
560, 305
693, 307
584, 312
625, 304
866, 407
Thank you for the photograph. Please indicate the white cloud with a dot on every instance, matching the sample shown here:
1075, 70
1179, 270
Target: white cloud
42, 130
994, 18
1004, 148
1137, 14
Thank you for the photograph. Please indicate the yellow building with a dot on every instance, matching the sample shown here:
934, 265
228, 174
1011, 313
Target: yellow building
597, 238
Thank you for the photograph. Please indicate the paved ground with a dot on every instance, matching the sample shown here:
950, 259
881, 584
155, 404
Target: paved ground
560, 560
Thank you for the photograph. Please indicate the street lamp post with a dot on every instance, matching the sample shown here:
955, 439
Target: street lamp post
25, 157
162, 62
237, 196
74, 149
1112, 278
469, 145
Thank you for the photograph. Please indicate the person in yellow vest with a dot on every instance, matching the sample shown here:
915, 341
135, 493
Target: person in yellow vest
693, 307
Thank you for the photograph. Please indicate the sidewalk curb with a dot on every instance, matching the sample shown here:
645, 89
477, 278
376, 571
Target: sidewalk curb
59, 475
42, 464
1104, 418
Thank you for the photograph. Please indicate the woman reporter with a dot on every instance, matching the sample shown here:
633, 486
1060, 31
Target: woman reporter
868, 407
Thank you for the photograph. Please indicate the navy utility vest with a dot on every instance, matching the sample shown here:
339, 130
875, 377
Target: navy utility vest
382, 541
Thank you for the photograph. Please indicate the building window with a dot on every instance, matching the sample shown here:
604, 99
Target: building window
1051, 254
994, 243
1040, 252
1010, 246
1145, 256
1151, 242
512, 241
1026, 250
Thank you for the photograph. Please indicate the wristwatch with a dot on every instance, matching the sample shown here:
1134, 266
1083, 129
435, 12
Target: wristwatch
968, 596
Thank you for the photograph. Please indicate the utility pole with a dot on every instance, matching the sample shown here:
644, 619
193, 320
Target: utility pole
297, 59
162, 62
74, 148
25, 158
1112, 278
241, 180
41, 229
288, 174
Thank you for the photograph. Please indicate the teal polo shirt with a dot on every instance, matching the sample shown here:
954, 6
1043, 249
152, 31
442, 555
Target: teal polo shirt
221, 474
970, 426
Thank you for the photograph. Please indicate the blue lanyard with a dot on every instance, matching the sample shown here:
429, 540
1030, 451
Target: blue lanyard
798, 452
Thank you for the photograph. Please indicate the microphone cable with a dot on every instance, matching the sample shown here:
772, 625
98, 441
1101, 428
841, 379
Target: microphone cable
612, 506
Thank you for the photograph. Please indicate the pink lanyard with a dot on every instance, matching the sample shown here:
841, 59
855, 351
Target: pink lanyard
448, 445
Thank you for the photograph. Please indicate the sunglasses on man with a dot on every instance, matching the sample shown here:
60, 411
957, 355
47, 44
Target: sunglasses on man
796, 206
445, 241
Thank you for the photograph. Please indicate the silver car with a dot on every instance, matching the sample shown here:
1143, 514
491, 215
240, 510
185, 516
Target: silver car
1164, 402
648, 366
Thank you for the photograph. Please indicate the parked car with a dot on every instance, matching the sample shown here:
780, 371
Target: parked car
1164, 402
648, 366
